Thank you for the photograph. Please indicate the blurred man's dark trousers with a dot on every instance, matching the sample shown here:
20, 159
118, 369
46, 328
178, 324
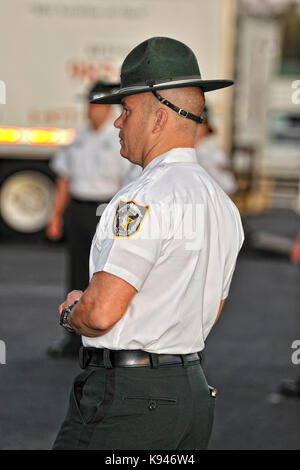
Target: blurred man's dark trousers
81, 222
138, 408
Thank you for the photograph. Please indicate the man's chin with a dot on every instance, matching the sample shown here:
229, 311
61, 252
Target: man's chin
127, 157
124, 154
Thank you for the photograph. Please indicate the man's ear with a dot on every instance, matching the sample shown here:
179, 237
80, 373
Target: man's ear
161, 118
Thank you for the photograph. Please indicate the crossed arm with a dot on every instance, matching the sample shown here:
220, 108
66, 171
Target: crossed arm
101, 305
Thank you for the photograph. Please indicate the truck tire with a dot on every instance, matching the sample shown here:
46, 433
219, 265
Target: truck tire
26, 193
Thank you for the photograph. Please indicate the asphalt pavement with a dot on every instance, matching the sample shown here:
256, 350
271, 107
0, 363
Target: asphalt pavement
247, 354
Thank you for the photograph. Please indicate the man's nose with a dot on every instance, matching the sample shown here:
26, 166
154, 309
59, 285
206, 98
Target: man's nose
118, 122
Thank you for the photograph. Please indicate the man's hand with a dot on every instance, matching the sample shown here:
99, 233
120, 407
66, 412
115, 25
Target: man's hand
71, 297
54, 228
60, 200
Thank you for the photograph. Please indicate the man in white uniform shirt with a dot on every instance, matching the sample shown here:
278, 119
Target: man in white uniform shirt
161, 264
89, 172
212, 159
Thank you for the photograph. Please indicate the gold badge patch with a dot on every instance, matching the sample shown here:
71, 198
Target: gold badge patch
128, 218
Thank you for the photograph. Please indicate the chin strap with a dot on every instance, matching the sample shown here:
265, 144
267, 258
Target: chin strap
177, 110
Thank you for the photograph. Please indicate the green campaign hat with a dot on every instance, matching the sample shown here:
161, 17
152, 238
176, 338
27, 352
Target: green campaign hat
156, 64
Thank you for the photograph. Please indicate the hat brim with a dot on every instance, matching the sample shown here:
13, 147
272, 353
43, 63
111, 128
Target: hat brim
116, 96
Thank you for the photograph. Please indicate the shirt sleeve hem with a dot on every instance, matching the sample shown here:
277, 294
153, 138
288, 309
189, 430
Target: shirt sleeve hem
123, 274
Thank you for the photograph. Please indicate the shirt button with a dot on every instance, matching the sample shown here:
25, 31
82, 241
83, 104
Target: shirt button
151, 405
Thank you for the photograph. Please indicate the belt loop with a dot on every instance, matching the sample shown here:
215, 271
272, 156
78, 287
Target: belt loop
84, 357
154, 360
106, 359
184, 360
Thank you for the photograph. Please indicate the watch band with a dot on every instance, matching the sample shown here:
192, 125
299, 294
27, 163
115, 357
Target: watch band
63, 320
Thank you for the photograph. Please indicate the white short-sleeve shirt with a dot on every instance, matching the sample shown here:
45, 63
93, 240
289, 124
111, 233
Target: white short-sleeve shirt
92, 163
175, 236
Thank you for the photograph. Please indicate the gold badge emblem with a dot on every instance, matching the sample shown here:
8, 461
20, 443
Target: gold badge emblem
128, 218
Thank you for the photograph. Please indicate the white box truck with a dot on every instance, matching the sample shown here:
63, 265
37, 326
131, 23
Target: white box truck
50, 53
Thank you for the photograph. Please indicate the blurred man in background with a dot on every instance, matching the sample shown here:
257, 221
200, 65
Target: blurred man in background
89, 172
213, 160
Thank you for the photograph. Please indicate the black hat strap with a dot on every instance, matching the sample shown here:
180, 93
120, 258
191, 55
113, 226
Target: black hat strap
178, 110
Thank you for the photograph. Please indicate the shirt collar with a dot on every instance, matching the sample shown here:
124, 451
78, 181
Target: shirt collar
176, 155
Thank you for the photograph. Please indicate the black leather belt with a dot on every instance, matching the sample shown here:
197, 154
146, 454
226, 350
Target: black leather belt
95, 357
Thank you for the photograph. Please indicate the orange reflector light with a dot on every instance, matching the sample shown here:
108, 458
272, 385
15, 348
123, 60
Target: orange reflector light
35, 136
43, 136
10, 135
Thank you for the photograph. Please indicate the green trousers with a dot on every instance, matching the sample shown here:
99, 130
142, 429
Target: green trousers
140, 408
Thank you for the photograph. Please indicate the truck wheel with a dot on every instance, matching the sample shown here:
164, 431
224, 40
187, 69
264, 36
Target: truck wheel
25, 202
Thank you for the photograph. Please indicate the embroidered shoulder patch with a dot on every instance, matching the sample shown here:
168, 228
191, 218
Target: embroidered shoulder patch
128, 218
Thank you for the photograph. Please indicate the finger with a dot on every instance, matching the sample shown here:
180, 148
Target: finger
77, 294
70, 298
61, 307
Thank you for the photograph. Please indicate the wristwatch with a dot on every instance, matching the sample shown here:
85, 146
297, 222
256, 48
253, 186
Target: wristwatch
63, 321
